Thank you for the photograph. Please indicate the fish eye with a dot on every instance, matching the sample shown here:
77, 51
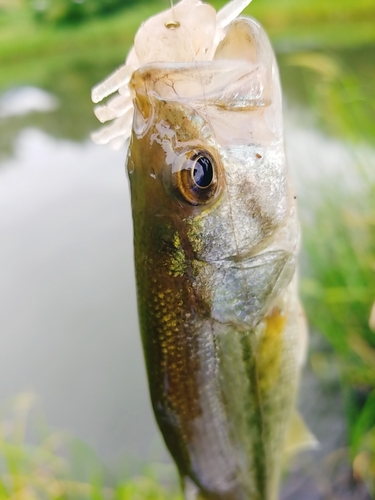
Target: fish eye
202, 172
195, 177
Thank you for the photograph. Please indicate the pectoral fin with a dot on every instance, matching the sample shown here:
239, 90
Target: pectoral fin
298, 436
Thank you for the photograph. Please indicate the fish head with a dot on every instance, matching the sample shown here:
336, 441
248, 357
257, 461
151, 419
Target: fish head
206, 152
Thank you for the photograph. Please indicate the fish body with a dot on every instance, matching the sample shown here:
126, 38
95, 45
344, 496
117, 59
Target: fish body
216, 239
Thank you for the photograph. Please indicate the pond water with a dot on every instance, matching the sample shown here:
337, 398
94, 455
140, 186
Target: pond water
67, 292
69, 320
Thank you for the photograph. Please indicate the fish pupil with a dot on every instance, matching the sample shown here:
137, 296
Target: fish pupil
202, 172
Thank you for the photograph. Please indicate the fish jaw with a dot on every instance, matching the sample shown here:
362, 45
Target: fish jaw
216, 279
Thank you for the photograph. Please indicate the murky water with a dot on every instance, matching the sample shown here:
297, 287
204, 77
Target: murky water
69, 323
68, 317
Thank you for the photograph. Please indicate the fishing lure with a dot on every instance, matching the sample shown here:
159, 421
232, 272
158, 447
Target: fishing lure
216, 239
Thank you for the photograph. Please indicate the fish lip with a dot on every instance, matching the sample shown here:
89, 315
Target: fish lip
177, 67
185, 82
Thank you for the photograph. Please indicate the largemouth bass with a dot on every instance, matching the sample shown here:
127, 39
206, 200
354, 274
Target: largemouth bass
216, 238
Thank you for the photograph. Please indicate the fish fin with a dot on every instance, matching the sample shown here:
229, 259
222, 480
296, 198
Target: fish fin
302, 335
299, 436
191, 490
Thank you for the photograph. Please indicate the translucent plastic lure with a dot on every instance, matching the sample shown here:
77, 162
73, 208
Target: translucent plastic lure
216, 241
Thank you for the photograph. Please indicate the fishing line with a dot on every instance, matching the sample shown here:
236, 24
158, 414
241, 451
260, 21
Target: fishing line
173, 13
174, 23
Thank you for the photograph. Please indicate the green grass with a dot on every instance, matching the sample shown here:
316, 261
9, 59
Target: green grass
30, 50
339, 291
58, 467
338, 275
338, 87
338, 272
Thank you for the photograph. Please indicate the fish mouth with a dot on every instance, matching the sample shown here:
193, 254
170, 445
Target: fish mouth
224, 83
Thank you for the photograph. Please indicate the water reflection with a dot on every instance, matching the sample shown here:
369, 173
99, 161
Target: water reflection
23, 100
321, 163
68, 294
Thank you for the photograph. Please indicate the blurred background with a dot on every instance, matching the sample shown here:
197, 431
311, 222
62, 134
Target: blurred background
70, 358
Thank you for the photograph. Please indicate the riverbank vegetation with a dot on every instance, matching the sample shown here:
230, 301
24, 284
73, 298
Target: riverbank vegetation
58, 467
31, 50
